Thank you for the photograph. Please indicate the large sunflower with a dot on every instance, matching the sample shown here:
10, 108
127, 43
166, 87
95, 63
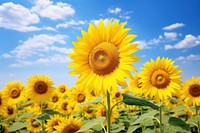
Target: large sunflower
2, 103
40, 88
14, 92
103, 56
191, 91
160, 79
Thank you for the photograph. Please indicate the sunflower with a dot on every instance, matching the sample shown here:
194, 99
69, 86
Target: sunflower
89, 111
62, 88
160, 79
103, 56
78, 94
10, 110
52, 122
101, 112
35, 126
14, 92
40, 88
191, 91
136, 85
63, 106
116, 95
70, 125
56, 97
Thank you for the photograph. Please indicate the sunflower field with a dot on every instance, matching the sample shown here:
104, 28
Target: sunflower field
110, 95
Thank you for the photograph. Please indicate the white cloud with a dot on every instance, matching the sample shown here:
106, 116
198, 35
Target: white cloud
47, 9
190, 57
173, 26
148, 44
71, 23
188, 42
6, 55
115, 10
167, 47
17, 17
105, 20
170, 35
57, 58
38, 44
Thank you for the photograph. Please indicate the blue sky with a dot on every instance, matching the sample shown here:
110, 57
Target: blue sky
36, 35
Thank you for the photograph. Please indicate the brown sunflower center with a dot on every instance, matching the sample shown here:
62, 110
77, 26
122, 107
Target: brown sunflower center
117, 95
15, 92
160, 79
103, 112
40, 87
34, 123
80, 97
194, 90
55, 99
64, 106
104, 58
55, 123
62, 90
10, 110
71, 129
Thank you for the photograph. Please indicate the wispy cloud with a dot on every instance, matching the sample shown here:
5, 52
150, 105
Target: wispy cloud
53, 11
173, 26
188, 42
18, 17
70, 23
189, 58
171, 35
38, 49
114, 10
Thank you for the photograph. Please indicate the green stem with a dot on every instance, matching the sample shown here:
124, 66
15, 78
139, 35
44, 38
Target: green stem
108, 112
198, 125
161, 128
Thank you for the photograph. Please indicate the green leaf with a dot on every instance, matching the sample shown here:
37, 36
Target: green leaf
178, 122
44, 116
49, 111
118, 129
130, 100
25, 115
97, 100
179, 108
90, 124
17, 126
131, 129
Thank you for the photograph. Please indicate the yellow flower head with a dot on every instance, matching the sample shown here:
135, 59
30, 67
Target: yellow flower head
52, 122
62, 88
191, 91
2, 103
160, 79
103, 56
70, 125
136, 85
35, 126
14, 92
40, 88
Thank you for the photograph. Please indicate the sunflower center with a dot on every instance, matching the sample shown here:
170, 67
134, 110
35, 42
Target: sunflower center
55, 123
160, 79
15, 92
117, 94
104, 58
0, 101
55, 99
103, 112
34, 123
194, 90
10, 110
71, 129
62, 90
40, 87
64, 106
80, 98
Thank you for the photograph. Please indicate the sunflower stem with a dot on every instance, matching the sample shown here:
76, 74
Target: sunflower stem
198, 125
108, 111
161, 128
